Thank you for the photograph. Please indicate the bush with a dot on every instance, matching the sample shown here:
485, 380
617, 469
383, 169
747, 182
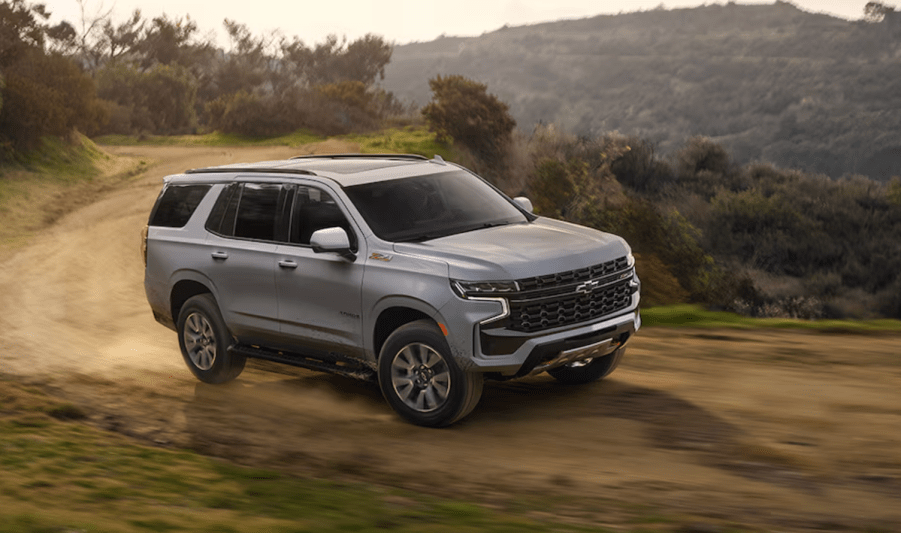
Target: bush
159, 101
703, 167
894, 190
170, 92
46, 95
638, 168
555, 186
354, 106
462, 111
248, 114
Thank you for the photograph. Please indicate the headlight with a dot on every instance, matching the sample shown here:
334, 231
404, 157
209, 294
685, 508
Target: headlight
466, 289
630, 259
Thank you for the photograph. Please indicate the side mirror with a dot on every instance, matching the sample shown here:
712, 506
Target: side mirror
524, 203
331, 240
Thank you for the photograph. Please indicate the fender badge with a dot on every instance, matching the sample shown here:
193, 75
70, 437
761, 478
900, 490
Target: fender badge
379, 257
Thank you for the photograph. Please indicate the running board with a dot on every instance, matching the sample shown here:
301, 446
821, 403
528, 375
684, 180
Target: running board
333, 363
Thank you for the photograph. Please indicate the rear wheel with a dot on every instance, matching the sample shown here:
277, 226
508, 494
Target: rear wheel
204, 340
420, 379
589, 370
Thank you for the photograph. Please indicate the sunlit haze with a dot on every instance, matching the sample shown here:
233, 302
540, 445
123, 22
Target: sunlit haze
398, 21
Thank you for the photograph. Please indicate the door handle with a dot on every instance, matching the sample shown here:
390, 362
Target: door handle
220, 255
284, 263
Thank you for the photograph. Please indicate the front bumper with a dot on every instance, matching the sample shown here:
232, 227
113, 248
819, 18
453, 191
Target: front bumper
535, 353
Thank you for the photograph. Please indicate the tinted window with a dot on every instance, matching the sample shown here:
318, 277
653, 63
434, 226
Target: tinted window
257, 211
314, 210
215, 221
427, 207
177, 204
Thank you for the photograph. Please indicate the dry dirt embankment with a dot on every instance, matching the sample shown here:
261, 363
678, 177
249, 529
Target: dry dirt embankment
774, 429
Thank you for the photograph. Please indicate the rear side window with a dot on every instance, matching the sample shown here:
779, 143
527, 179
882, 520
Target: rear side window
257, 212
251, 211
176, 205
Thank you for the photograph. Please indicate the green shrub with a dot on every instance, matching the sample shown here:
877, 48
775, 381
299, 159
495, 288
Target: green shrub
464, 112
248, 114
159, 101
555, 186
46, 94
703, 167
638, 168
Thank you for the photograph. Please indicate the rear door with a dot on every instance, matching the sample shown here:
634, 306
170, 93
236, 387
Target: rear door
245, 226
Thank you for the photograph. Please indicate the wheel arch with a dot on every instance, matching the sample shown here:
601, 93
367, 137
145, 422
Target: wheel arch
393, 317
182, 291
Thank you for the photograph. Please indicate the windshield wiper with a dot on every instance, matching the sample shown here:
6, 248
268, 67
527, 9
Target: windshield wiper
418, 238
494, 224
454, 231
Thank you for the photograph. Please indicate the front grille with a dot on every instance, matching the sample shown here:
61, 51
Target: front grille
574, 276
565, 298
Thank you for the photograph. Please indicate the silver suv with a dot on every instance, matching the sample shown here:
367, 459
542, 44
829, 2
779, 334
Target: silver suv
413, 272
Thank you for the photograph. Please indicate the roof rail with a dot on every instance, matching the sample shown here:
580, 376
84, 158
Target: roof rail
413, 157
229, 170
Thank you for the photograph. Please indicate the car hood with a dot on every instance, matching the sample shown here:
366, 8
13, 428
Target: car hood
544, 246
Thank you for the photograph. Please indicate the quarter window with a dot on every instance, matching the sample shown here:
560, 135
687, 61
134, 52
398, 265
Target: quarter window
176, 205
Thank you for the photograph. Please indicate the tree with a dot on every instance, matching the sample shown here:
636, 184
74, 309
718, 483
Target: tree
876, 11
46, 94
167, 41
464, 112
334, 61
21, 28
160, 100
119, 40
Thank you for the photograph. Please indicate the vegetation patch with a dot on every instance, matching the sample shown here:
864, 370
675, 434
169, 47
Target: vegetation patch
215, 138
696, 316
405, 140
63, 476
48, 183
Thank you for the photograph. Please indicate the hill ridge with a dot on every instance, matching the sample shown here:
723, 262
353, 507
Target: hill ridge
769, 81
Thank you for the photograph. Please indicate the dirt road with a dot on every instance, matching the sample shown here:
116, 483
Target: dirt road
771, 430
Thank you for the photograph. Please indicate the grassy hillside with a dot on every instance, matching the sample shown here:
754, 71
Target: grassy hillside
60, 474
54, 180
769, 82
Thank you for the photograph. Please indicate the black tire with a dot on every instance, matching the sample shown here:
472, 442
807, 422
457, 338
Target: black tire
420, 379
204, 341
579, 373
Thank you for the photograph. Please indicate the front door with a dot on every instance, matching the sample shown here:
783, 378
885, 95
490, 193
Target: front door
319, 294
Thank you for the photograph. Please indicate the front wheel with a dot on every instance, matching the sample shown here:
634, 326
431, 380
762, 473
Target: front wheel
420, 379
588, 371
204, 341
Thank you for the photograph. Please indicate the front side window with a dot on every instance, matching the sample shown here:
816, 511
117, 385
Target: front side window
432, 206
176, 205
315, 209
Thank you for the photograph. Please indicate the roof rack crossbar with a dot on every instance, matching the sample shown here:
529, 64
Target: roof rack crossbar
414, 157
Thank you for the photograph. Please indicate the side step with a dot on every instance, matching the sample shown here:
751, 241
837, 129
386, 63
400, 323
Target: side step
333, 363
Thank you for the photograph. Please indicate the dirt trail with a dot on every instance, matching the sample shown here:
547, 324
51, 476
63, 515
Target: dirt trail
780, 430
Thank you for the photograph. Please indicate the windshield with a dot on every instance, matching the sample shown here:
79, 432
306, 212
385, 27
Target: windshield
427, 207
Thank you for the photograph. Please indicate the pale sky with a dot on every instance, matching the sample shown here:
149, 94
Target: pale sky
398, 21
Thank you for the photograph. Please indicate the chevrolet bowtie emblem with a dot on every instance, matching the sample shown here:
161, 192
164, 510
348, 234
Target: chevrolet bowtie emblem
588, 286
